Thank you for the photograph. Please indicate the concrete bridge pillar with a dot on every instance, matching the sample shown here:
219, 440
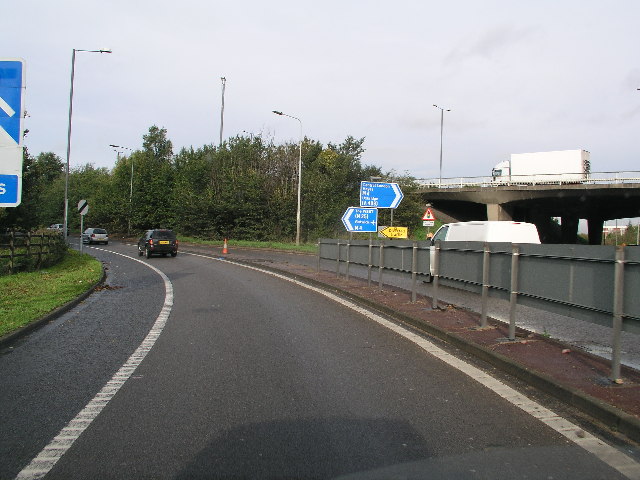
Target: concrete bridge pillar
498, 212
595, 229
569, 229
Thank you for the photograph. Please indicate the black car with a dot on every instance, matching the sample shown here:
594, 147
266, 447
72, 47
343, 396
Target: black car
158, 241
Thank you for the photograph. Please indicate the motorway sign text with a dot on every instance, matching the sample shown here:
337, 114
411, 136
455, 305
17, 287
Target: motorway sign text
380, 195
361, 219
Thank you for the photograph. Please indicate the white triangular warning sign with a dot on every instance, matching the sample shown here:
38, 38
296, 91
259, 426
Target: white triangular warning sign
428, 215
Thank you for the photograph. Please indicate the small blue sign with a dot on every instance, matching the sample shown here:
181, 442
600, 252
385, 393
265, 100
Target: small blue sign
11, 86
380, 195
9, 188
361, 219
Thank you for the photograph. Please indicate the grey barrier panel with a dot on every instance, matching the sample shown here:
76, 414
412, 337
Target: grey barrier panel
500, 270
423, 260
580, 275
328, 248
461, 261
632, 286
359, 252
572, 280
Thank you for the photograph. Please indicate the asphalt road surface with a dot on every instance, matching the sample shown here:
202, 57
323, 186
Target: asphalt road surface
201, 368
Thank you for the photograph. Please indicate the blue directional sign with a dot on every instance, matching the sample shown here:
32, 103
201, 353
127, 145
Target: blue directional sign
9, 190
361, 219
11, 87
380, 195
11, 112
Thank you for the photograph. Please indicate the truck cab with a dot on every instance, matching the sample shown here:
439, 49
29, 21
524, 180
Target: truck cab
501, 172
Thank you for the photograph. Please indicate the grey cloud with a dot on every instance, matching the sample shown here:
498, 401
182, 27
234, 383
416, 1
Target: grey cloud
492, 43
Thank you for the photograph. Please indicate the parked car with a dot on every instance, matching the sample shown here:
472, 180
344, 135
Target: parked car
95, 235
58, 227
158, 241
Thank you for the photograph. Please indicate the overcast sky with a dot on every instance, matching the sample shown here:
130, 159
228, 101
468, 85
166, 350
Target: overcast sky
519, 76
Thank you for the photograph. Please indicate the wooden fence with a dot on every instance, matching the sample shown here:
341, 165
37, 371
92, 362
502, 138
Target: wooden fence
29, 251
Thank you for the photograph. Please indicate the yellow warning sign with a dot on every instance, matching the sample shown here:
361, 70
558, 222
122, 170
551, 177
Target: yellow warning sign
395, 232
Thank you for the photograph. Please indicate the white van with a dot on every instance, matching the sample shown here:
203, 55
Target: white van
489, 231
483, 231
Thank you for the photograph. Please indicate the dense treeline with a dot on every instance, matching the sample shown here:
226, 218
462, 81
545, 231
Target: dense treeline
244, 189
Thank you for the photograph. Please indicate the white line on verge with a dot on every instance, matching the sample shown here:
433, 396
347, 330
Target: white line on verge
605, 452
48, 457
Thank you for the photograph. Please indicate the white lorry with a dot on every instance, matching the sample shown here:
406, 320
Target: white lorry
483, 231
564, 166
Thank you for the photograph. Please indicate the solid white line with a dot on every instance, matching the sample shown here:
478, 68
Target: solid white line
48, 457
605, 452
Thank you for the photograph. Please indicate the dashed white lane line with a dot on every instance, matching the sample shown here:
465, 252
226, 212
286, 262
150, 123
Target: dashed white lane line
49, 456
605, 452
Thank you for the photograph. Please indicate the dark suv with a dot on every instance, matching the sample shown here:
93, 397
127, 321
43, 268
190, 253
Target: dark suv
160, 241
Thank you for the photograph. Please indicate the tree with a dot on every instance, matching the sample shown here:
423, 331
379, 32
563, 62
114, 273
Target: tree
157, 144
41, 180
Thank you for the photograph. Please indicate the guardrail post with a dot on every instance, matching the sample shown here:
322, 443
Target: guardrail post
369, 262
485, 285
338, 260
348, 253
414, 267
436, 276
380, 266
513, 297
12, 251
618, 312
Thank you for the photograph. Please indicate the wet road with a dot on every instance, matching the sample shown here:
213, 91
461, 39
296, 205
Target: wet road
253, 376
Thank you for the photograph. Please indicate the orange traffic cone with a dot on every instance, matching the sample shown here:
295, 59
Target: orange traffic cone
224, 247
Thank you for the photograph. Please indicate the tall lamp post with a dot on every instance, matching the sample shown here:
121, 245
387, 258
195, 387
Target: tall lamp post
115, 147
66, 174
299, 174
224, 83
442, 110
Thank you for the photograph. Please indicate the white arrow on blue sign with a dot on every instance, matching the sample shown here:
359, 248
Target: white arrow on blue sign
380, 195
361, 219
11, 101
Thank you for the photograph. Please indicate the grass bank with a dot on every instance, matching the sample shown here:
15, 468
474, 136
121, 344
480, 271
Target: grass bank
306, 247
25, 297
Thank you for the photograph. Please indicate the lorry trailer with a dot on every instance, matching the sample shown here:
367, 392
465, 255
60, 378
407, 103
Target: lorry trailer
564, 166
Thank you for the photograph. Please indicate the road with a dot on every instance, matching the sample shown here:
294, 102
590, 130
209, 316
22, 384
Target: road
230, 372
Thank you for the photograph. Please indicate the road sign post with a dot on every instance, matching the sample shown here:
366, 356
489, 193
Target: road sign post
12, 74
83, 209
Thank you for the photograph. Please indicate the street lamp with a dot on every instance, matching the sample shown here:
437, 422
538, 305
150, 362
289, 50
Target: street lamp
131, 184
299, 174
224, 83
66, 175
442, 110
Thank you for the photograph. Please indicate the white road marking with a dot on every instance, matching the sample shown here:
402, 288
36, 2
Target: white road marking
47, 458
605, 452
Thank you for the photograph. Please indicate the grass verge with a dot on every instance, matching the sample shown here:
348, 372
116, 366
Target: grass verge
25, 297
306, 247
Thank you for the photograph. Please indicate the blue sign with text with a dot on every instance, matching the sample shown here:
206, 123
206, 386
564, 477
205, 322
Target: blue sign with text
11, 87
380, 195
9, 188
361, 219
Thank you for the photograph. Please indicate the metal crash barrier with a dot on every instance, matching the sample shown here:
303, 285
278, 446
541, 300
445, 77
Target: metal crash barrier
591, 283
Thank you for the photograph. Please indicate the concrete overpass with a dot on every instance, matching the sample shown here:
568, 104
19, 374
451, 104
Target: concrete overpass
594, 202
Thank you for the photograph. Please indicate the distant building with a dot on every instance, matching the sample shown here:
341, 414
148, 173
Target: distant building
609, 229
